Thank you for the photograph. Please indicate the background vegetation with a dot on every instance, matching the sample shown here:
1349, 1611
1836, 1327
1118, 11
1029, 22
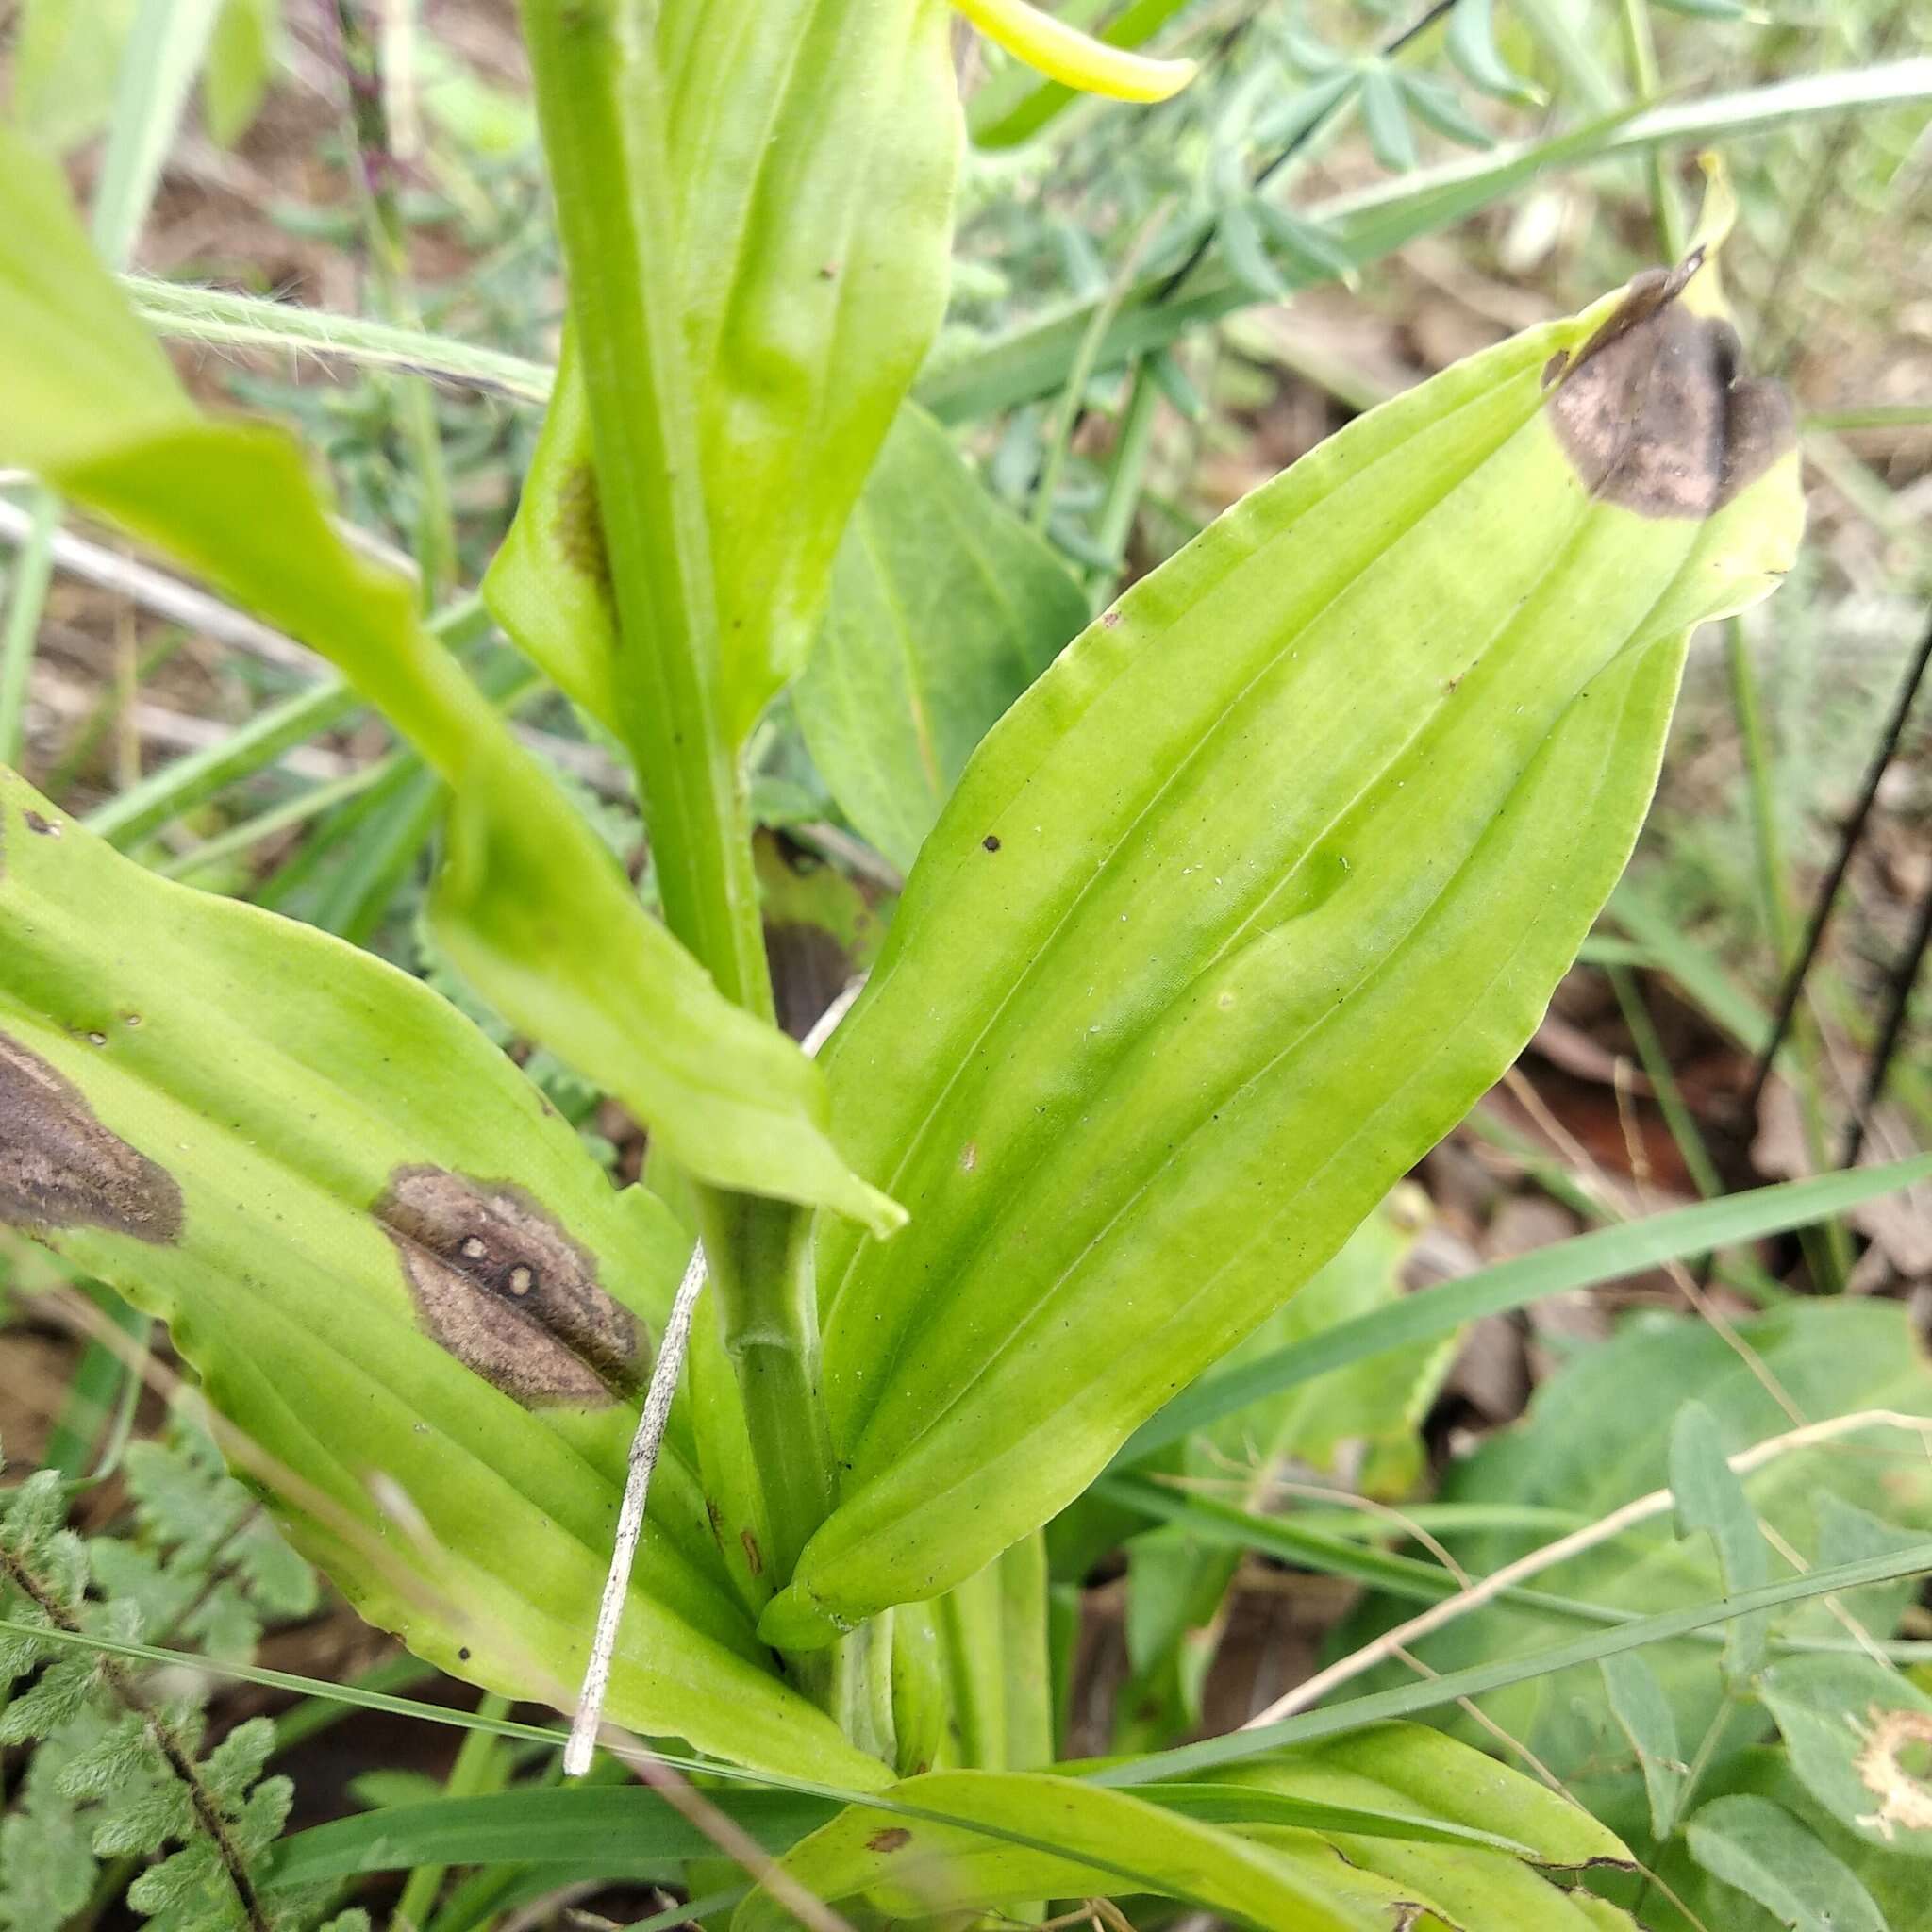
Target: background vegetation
348, 229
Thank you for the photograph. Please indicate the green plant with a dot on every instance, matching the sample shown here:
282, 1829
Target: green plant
1236, 909
121, 1772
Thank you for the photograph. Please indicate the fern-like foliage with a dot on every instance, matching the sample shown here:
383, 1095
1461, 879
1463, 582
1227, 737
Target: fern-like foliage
119, 1771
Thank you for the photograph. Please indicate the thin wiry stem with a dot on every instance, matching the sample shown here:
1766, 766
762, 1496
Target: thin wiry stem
1898, 1000
1850, 837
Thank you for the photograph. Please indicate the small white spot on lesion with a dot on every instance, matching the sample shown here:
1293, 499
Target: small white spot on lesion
522, 1279
475, 1248
969, 1157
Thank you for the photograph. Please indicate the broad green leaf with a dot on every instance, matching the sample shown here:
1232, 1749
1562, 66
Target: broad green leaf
1231, 917
944, 608
1861, 1741
1639, 1704
532, 907
1597, 1436
293, 1153
1710, 1496
1894, 1881
1763, 1851
1078, 1840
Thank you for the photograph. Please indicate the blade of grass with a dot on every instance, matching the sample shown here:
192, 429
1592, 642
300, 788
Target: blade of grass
164, 54
1410, 1700
178, 788
27, 597
1294, 1539
1603, 1254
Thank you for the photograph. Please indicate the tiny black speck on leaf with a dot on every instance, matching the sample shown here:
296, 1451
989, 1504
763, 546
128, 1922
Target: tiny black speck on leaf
990, 843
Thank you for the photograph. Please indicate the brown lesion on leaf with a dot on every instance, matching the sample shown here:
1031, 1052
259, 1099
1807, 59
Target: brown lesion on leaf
895, 1838
42, 827
577, 525
754, 1557
1656, 410
60, 1168
502, 1286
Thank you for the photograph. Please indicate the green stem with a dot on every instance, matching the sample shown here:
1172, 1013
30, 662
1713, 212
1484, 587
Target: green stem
1073, 395
599, 105
1128, 478
33, 567
1641, 50
759, 1254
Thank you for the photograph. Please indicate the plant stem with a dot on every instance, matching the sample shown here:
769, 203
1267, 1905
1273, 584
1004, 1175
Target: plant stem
769, 1315
33, 566
600, 106
1132, 448
1641, 50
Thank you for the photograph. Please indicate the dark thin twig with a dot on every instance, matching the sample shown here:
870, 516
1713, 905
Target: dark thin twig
1387, 51
1904, 978
1850, 836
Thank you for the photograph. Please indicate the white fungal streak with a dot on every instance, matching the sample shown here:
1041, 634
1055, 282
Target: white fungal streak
588, 1718
644, 1446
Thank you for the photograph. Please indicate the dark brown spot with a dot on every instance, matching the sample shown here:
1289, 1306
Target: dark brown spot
579, 526
717, 1516
45, 827
1655, 411
60, 1167
990, 843
754, 1557
894, 1838
463, 1653
1108, 619
507, 1292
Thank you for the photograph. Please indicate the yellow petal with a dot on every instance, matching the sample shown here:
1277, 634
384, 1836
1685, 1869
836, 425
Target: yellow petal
1063, 52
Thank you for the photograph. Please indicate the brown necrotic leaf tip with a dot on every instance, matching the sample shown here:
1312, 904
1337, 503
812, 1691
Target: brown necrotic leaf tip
507, 1292
1656, 410
60, 1168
